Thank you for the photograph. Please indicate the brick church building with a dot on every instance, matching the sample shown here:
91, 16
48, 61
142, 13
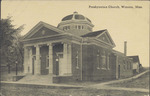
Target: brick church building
73, 52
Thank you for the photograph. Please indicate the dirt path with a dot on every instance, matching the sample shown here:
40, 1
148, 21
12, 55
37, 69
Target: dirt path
106, 86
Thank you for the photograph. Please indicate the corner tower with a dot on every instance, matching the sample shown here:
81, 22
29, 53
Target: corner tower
76, 24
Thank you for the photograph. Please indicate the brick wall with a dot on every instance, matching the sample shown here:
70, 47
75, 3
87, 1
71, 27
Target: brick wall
90, 65
90, 70
76, 63
101, 73
87, 62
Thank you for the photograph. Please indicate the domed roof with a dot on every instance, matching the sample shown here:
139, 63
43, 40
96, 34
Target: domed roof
76, 16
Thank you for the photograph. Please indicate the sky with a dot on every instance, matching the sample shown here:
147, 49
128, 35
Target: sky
123, 24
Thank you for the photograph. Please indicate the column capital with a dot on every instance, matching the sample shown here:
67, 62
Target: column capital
49, 44
65, 42
37, 45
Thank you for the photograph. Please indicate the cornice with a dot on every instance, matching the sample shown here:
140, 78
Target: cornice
75, 22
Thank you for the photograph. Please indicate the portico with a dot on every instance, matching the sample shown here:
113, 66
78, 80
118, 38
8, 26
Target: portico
48, 59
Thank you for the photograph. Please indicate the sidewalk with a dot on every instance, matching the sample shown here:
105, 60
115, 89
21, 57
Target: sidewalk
25, 84
106, 86
122, 80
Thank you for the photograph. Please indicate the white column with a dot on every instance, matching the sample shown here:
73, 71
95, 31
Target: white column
69, 60
50, 59
65, 58
30, 60
25, 60
37, 63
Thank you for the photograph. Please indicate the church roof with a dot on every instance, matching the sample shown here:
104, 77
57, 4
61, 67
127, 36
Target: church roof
75, 16
93, 34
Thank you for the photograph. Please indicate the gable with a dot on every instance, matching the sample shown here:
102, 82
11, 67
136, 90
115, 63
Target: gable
105, 37
42, 29
44, 32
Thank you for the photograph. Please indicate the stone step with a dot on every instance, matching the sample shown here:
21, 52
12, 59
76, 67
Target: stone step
44, 79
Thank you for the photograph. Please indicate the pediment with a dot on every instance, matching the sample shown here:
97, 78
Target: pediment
105, 38
44, 32
42, 29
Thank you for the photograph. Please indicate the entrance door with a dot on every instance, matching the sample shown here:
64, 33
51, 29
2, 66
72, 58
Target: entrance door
59, 67
44, 60
33, 63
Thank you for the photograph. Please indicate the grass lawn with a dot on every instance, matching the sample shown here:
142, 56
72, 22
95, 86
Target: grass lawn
27, 91
141, 82
5, 76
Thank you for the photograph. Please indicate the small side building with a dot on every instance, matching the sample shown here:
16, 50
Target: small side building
136, 63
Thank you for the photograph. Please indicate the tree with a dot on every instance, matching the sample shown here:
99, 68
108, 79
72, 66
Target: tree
11, 49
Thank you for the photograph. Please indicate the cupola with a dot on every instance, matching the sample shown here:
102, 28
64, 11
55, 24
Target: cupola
76, 24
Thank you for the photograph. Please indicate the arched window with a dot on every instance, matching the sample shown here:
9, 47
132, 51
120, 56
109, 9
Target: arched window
82, 27
124, 65
103, 59
98, 60
77, 60
79, 27
76, 27
108, 63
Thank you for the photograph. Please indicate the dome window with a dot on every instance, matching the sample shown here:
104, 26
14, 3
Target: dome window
80, 17
66, 27
76, 24
69, 17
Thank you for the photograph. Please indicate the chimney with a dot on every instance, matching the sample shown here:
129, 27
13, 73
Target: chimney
125, 48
